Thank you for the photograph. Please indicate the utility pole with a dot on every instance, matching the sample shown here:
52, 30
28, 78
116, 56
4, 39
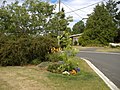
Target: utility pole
58, 37
59, 4
47, 1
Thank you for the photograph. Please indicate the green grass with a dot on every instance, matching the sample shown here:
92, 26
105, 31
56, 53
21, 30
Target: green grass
100, 49
108, 49
35, 78
80, 47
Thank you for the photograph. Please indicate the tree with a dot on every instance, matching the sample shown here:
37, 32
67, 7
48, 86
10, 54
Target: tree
32, 17
59, 23
117, 39
113, 10
111, 6
65, 40
100, 28
41, 13
78, 27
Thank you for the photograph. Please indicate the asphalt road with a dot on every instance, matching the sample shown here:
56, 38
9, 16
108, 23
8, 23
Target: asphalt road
108, 63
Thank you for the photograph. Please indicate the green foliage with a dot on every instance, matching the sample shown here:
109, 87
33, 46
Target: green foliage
80, 41
3, 39
59, 23
32, 17
100, 28
55, 57
112, 7
68, 65
25, 50
53, 68
20, 29
58, 67
78, 27
64, 40
35, 61
75, 42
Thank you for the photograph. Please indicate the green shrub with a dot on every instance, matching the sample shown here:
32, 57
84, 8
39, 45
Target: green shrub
55, 57
84, 41
35, 61
68, 65
3, 39
14, 52
53, 68
25, 49
62, 66
80, 40
75, 43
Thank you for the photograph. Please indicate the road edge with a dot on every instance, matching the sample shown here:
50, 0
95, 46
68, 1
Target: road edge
109, 83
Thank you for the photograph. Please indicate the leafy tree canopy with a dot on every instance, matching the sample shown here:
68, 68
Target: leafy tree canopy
78, 27
32, 17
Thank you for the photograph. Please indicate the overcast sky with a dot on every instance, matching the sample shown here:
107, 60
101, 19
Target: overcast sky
70, 5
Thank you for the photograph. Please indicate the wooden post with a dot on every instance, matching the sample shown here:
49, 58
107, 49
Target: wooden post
59, 4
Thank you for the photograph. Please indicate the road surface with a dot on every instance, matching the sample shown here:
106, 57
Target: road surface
108, 63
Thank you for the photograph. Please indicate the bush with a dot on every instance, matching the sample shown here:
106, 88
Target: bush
25, 49
54, 57
15, 52
84, 41
75, 43
68, 65
62, 66
3, 39
53, 68
80, 40
35, 61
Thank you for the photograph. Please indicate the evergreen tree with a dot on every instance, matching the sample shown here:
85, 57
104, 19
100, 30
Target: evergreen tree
113, 10
78, 27
111, 6
100, 28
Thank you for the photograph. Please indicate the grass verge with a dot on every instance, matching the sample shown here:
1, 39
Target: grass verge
99, 49
108, 49
35, 78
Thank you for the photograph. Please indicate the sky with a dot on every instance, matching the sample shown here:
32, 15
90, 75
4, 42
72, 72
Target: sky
82, 14
70, 5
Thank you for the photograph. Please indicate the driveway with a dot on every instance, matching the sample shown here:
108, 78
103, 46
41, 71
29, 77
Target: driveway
108, 63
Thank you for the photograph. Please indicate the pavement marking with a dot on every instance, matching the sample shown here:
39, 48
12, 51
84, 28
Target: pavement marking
101, 52
110, 84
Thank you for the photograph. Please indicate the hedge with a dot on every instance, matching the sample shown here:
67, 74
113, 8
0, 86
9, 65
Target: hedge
25, 49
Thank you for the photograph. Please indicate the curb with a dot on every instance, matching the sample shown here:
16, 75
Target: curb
109, 83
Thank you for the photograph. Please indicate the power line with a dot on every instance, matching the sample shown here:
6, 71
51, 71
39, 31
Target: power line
72, 10
85, 6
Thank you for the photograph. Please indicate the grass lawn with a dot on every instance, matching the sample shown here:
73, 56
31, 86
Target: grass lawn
107, 49
80, 47
35, 78
99, 49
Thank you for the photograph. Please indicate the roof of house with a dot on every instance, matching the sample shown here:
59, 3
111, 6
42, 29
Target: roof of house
75, 35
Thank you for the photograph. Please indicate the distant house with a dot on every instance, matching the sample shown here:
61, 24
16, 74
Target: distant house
75, 38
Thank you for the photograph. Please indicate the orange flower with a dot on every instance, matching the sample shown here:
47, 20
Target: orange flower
73, 72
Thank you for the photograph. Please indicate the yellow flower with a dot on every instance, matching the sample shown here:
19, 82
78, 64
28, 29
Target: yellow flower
73, 72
